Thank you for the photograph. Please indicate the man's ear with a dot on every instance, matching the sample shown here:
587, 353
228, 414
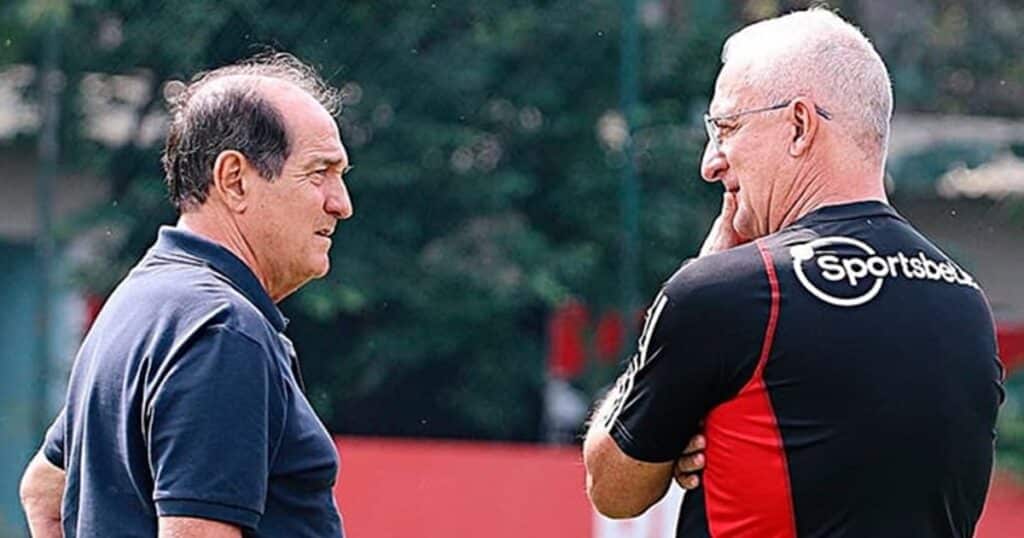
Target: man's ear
805, 123
230, 184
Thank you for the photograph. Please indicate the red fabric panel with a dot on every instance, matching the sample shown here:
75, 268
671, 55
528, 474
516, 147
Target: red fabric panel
403, 489
1011, 346
747, 478
566, 348
611, 333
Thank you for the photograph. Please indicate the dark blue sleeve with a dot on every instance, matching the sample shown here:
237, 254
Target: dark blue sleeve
213, 423
696, 350
53, 445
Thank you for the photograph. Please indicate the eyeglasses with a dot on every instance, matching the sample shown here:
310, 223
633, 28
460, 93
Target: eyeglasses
714, 133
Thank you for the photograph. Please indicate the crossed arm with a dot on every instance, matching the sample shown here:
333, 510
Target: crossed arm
42, 491
620, 486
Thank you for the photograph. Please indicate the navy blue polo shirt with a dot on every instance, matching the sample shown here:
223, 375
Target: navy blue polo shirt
185, 400
844, 371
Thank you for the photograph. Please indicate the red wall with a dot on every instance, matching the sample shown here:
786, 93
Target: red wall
447, 489
406, 489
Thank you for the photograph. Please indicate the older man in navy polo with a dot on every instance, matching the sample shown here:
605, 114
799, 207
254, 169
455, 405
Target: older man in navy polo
185, 414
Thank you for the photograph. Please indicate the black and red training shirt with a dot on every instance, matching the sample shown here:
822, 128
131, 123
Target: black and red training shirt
844, 371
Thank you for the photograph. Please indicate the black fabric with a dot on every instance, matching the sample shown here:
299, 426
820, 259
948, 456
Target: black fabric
883, 377
695, 351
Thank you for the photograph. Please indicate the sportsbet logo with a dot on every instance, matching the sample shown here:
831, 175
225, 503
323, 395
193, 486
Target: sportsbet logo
852, 273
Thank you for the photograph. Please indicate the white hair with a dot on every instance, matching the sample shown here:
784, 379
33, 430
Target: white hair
815, 53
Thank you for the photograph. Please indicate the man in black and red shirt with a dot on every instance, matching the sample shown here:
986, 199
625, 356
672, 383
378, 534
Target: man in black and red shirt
842, 368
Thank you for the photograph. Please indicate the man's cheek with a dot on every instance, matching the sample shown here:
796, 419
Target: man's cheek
743, 222
742, 207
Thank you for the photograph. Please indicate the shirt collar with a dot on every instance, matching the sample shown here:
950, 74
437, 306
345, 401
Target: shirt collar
179, 242
855, 210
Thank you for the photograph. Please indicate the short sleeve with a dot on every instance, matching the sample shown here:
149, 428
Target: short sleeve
213, 422
694, 352
53, 443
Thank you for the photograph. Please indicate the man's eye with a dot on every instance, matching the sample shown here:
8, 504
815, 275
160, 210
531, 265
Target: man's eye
725, 128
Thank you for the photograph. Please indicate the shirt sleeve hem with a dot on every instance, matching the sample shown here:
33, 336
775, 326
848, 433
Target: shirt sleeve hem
54, 456
627, 443
208, 510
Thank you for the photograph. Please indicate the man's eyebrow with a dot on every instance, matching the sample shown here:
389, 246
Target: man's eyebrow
328, 161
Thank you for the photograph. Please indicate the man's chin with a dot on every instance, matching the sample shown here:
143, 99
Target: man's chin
322, 271
318, 267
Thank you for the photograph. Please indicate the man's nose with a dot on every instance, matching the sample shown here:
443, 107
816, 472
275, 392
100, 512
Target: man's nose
713, 164
338, 204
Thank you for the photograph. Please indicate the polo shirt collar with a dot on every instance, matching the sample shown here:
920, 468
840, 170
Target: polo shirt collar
178, 242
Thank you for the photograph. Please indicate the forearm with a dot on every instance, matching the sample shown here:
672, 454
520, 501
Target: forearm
618, 485
596, 456
189, 527
598, 427
45, 528
42, 492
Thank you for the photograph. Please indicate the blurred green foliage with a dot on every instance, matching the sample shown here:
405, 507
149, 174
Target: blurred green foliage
485, 191
486, 179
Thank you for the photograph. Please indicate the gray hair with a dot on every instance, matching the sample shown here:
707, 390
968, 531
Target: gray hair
817, 54
236, 117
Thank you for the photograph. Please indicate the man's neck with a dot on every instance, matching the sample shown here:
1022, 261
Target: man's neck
820, 186
216, 227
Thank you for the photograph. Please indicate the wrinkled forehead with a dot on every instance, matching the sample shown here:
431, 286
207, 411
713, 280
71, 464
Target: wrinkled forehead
733, 89
316, 140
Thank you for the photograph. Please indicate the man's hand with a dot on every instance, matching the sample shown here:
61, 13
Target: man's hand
691, 463
42, 493
622, 487
723, 234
